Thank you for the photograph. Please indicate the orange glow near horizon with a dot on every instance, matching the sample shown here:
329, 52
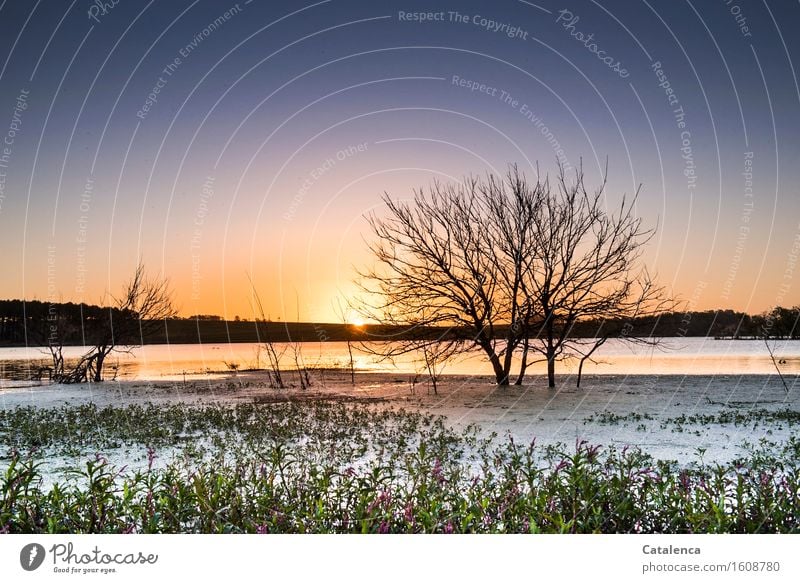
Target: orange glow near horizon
303, 254
303, 279
260, 166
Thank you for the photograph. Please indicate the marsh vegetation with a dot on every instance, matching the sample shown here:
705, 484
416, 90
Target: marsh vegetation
353, 468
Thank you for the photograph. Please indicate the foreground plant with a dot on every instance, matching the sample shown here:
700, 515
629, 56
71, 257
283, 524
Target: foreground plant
326, 468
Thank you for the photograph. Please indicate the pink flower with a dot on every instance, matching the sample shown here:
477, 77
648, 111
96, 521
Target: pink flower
438, 473
409, 513
151, 456
684, 480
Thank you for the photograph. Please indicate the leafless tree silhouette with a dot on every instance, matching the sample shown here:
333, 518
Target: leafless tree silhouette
779, 323
443, 262
340, 309
510, 267
141, 310
273, 354
586, 266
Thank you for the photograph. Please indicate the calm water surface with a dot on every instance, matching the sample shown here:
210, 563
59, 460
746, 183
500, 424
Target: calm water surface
691, 356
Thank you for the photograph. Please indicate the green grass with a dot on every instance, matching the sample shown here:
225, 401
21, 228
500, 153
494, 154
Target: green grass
750, 418
332, 467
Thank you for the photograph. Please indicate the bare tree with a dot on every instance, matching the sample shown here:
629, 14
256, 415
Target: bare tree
49, 334
512, 266
435, 354
586, 266
779, 323
50, 331
341, 312
432, 346
620, 326
447, 260
142, 309
303, 374
512, 207
273, 355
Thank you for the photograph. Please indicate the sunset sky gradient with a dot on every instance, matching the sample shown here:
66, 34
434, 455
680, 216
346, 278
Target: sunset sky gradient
219, 142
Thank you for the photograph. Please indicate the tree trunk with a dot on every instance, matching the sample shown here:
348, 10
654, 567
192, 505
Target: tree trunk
430, 363
502, 377
352, 364
580, 372
507, 362
551, 371
551, 352
98, 371
586, 357
500, 374
523, 366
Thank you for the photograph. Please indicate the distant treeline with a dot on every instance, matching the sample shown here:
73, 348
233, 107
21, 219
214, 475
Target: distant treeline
36, 323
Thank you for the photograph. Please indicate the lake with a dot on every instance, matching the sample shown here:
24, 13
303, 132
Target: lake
687, 356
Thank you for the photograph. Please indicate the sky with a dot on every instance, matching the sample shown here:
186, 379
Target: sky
225, 143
